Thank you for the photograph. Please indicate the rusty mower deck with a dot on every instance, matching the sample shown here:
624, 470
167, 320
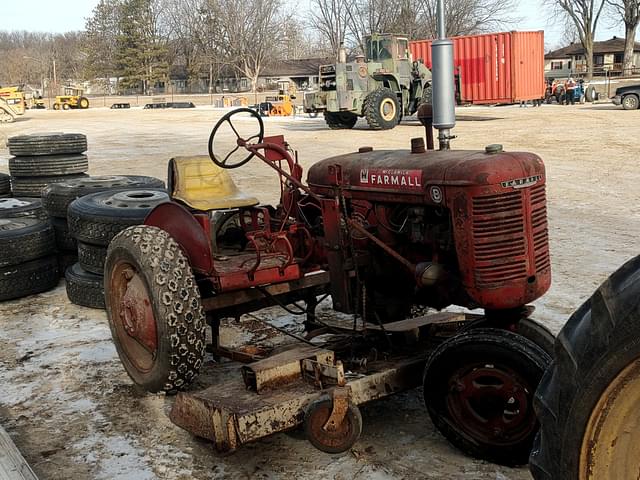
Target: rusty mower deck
318, 386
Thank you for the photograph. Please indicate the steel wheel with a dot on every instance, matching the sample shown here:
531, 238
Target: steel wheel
611, 443
336, 438
153, 305
388, 110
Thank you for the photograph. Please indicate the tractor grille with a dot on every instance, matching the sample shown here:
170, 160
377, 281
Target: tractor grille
539, 227
499, 238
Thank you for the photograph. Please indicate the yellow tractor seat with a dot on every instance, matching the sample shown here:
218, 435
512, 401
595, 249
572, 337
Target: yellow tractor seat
200, 184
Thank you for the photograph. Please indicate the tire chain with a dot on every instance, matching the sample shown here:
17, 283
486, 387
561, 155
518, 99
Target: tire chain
178, 296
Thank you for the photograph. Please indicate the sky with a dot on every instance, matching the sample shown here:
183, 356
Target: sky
66, 15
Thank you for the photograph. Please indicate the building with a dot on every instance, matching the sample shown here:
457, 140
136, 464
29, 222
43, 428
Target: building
607, 59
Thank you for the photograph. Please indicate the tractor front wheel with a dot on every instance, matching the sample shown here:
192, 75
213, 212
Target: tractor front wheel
154, 310
588, 402
340, 120
479, 387
382, 109
83, 102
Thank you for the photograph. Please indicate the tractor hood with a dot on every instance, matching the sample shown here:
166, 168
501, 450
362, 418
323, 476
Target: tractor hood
405, 172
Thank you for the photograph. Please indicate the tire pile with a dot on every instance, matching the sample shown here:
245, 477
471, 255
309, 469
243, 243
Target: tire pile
42, 159
5, 185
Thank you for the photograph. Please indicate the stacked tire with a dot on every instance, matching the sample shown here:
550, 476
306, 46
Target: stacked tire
28, 262
42, 159
5, 185
94, 220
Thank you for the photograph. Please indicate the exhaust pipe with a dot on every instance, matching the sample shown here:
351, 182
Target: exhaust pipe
443, 82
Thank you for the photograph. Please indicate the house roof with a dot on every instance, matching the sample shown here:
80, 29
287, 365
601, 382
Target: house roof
302, 67
613, 45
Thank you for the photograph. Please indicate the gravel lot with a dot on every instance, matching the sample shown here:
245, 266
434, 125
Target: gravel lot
74, 413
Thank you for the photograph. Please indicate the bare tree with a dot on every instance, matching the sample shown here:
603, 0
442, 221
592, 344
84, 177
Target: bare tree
585, 15
629, 12
331, 19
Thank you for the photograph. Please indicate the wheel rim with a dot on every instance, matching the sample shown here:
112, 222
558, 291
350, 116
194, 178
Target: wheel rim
339, 438
611, 443
388, 109
630, 102
491, 403
132, 316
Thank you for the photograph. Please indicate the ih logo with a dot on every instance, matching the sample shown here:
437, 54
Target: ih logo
364, 176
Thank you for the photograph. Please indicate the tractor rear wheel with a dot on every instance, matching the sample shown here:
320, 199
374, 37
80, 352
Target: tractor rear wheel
382, 109
154, 310
83, 102
588, 402
340, 120
478, 389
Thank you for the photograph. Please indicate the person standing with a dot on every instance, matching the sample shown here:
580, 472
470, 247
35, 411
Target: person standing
570, 89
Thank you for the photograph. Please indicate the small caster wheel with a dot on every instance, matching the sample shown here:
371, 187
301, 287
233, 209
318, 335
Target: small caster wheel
328, 437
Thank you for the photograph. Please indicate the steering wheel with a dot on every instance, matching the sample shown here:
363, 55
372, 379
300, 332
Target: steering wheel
240, 142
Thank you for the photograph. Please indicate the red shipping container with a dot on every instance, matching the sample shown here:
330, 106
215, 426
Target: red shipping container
494, 68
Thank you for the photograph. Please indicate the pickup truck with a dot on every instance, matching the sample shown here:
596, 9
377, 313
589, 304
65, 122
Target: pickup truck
627, 96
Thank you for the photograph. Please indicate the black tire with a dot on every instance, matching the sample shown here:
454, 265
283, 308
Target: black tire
340, 120
24, 239
598, 342
99, 217
149, 256
382, 109
48, 165
28, 278
84, 288
57, 197
22, 207
590, 94
33, 186
56, 106
463, 383
66, 106
5, 184
47, 144
317, 414
64, 241
630, 102
65, 260
83, 103
92, 257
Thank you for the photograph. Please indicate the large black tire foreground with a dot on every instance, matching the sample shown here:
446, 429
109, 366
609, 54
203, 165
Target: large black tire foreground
92, 257
99, 217
588, 402
28, 278
84, 288
32, 186
147, 268
48, 165
24, 239
47, 144
64, 241
382, 109
57, 197
22, 207
5, 184
340, 120
478, 389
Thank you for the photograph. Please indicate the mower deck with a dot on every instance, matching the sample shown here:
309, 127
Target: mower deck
273, 394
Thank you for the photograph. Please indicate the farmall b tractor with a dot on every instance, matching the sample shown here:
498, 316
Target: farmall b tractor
384, 234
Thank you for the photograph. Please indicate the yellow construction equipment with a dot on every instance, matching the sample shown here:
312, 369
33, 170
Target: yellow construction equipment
72, 98
11, 104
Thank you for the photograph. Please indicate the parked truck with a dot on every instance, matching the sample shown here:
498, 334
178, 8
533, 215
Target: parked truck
381, 86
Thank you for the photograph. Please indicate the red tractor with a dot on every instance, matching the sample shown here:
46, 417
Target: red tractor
383, 233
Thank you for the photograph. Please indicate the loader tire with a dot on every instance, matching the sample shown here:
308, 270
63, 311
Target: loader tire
47, 144
24, 239
92, 257
382, 109
48, 165
28, 278
97, 218
22, 207
64, 241
146, 264
479, 387
588, 400
5, 184
33, 186
84, 288
340, 120
57, 197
